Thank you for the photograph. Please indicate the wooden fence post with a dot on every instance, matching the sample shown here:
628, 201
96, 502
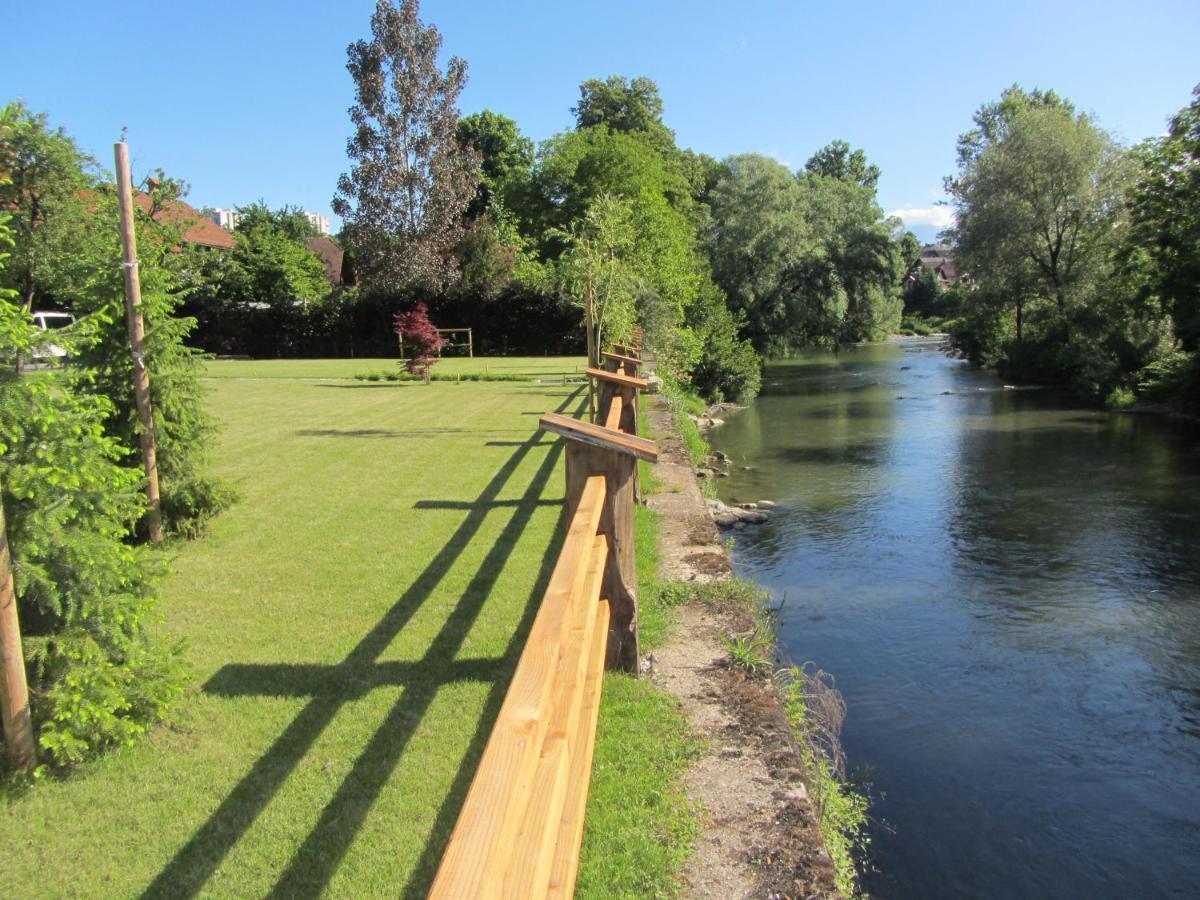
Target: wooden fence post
595, 450
14, 692
133, 316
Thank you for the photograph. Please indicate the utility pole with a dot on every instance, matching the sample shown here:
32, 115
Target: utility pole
14, 692
133, 316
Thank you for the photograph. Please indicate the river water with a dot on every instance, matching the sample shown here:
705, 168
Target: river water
1007, 589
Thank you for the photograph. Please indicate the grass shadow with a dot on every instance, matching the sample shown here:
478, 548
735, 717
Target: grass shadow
329, 688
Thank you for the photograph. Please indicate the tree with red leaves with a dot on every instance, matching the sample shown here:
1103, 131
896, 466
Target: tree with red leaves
419, 333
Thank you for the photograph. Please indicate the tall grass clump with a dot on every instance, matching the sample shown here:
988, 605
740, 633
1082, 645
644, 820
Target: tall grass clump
816, 710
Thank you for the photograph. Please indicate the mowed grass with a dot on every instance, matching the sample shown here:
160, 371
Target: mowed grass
352, 625
533, 366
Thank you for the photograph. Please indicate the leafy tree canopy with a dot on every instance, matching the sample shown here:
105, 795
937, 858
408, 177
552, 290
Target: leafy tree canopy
504, 155
1165, 207
288, 220
45, 187
622, 104
837, 160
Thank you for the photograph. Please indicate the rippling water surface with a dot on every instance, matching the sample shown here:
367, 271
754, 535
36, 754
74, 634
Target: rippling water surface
1008, 591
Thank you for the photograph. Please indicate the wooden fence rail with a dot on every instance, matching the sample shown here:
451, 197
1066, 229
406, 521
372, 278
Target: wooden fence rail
521, 826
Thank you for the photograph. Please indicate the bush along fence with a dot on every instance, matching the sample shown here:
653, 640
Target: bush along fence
520, 829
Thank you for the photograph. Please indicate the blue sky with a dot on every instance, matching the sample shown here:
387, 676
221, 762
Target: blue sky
248, 100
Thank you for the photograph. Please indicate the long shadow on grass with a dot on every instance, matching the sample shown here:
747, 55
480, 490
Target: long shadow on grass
316, 861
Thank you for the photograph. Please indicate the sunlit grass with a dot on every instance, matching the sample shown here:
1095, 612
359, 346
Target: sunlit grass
537, 366
377, 525
352, 624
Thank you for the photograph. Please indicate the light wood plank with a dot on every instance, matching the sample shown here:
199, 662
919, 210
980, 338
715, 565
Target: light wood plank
622, 358
599, 436
616, 407
565, 865
628, 381
503, 783
528, 860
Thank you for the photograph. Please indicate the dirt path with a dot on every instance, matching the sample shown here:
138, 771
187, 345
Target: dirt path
758, 835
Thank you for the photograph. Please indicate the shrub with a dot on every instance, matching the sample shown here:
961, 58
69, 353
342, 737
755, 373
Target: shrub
183, 429
422, 339
85, 593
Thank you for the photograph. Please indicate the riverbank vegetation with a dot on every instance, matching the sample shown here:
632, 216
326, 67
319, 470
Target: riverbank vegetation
1082, 257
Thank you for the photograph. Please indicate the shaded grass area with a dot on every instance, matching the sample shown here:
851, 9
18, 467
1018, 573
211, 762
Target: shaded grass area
536, 366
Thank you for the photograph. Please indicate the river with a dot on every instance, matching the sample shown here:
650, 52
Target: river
1007, 589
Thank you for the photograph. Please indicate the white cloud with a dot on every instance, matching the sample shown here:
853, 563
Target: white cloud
778, 157
937, 216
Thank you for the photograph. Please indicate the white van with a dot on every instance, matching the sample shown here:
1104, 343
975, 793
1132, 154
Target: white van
51, 321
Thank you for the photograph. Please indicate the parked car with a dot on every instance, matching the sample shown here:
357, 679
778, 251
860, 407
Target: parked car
51, 321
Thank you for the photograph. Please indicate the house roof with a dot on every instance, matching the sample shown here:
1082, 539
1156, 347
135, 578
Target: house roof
199, 229
331, 254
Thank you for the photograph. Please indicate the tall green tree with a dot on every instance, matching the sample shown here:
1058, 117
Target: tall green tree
505, 157
184, 430
86, 594
1165, 220
45, 187
761, 244
1040, 206
1038, 201
622, 104
288, 220
838, 160
412, 179
599, 274
272, 263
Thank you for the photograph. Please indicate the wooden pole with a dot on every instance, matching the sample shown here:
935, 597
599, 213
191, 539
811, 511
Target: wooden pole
133, 316
14, 692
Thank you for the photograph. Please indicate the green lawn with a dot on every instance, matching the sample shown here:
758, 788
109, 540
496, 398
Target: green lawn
535, 366
352, 624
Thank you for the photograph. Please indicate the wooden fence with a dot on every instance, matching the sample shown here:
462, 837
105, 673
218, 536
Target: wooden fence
520, 828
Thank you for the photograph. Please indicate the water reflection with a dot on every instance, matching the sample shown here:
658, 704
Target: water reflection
1009, 592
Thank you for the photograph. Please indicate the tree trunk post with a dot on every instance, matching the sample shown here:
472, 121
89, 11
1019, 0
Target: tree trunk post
133, 316
14, 692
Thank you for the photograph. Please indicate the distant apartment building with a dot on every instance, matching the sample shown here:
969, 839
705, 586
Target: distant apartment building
229, 218
226, 218
318, 221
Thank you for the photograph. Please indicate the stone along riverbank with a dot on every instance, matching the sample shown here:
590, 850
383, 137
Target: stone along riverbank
758, 834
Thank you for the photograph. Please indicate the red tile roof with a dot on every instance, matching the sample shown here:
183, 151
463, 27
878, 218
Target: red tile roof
200, 230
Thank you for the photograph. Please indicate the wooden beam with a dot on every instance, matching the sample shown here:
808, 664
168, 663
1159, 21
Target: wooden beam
474, 862
615, 407
530, 859
638, 384
599, 436
622, 358
584, 461
565, 865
